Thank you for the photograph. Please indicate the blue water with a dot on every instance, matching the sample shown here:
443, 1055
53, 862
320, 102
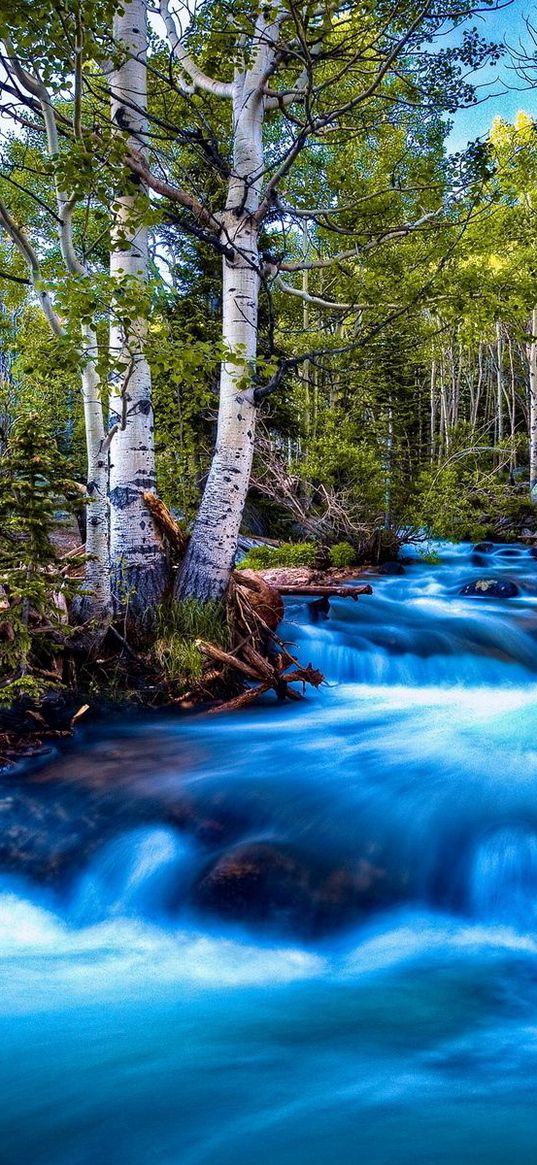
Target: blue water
142, 1022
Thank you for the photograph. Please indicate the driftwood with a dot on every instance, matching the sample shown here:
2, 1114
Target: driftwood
277, 675
27, 731
335, 592
165, 522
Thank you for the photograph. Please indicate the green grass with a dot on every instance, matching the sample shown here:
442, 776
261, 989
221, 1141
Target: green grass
178, 627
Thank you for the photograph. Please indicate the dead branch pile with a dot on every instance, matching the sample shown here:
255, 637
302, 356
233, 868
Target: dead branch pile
257, 654
321, 511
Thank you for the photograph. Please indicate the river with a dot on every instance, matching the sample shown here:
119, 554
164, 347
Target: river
298, 935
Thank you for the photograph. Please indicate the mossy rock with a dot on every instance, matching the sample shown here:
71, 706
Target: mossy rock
490, 588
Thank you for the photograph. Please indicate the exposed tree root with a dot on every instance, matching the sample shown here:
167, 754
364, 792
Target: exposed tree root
257, 654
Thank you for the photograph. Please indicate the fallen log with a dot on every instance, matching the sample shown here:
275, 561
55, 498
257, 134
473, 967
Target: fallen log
165, 522
328, 592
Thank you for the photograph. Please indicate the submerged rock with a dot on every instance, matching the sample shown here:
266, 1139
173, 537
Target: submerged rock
391, 568
259, 883
484, 547
265, 883
490, 588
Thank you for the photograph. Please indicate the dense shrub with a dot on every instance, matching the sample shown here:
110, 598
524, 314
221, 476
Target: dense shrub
342, 554
34, 591
288, 554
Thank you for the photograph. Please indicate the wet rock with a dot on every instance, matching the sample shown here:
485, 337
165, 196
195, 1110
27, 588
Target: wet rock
289, 576
264, 884
533, 552
319, 610
391, 568
490, 588
509, 552
484, 548
259, 883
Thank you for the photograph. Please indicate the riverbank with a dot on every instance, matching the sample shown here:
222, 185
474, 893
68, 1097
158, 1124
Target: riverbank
123, 681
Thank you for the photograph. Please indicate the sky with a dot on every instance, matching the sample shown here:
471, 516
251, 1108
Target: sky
504, 90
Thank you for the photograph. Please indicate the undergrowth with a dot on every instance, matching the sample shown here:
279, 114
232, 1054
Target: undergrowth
178, 627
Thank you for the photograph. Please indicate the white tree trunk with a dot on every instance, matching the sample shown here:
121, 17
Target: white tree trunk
499, 382
138, 559
211, 553
532, 359
96, 603
209, 560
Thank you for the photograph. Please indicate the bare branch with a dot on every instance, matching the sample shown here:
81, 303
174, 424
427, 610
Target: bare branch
313, 299
175, 193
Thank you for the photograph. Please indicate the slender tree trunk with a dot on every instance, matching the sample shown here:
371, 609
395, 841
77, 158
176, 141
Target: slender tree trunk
96, 602
532, 358
138, 559
388, 469
499, 382
211, 553
213, 545
306, 326
432, 404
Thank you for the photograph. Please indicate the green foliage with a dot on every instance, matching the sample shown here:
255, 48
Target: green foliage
336, 457
184, 367
33, 486
462, 502
288, 554
46, 375
430, 557
179, 626
342, 554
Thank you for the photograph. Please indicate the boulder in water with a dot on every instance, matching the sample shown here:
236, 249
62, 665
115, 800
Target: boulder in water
484, 548
265, 883
284, 576
509, 552
391, 568
490, 588
319, 610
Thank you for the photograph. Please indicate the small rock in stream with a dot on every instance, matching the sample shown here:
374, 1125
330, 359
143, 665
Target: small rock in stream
490, 588
391, 568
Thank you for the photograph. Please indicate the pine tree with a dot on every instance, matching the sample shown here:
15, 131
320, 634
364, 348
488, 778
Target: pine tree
34, 485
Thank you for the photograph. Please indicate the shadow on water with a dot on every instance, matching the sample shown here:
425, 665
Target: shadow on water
297, 935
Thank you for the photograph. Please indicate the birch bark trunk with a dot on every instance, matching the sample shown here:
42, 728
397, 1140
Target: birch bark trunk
137, 557
211, 553
499, 382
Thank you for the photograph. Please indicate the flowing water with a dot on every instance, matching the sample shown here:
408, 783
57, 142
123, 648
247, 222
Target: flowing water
373, 997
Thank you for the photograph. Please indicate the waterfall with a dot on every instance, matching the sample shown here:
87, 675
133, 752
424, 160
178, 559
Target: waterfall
503, 878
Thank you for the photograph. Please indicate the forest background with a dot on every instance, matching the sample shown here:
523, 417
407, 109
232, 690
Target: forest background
275, 264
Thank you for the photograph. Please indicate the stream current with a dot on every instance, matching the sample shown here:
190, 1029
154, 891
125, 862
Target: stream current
374, 997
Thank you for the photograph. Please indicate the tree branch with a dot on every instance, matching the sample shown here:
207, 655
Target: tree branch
199, 79
25, 248
137, 165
